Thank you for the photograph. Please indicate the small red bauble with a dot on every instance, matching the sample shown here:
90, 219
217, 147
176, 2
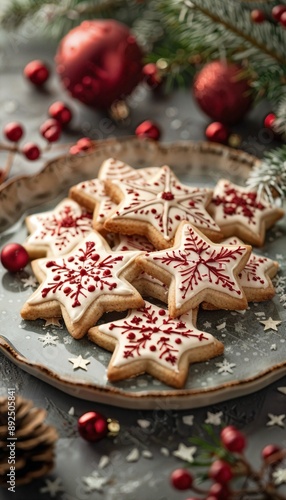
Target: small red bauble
37, 72
277, 11
219, 491
181, 479
221, 92
31, 151
14, 257
269, 120
13, 131
148, 129
92, 426
233, 440
152, 76
217, 132
61, 112
220, 471
51, 130
257, 16
99, 62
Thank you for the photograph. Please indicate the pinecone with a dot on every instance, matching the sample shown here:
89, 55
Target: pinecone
32, 453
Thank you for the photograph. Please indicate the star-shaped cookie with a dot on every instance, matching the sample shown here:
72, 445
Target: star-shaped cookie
148, 340
242, 212
155, 208
58, 231
83, 284
198, 270
256, 276
92, 194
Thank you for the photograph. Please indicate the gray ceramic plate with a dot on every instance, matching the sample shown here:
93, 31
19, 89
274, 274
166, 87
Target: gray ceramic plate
253, 358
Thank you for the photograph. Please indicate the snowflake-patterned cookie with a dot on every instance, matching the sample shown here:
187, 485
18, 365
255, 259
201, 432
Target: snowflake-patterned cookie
256, 276
198, 270
83, 284
58, 231
154, 208
92, 195
242, 212
149, 340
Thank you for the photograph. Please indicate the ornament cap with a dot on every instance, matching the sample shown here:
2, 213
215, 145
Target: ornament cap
113, 427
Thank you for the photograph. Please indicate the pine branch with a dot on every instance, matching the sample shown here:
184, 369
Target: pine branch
269, 177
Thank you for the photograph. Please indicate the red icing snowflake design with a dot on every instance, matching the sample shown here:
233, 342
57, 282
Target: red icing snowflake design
254, 273
237, 201
197, 264
150, 333
60, 229
78, 278
164, 202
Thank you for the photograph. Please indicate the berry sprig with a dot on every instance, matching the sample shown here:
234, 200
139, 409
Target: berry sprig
222, 462
59, 116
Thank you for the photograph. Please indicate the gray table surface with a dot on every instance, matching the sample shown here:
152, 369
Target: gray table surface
76, 459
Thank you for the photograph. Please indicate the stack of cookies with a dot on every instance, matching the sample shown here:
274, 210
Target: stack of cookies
136, 233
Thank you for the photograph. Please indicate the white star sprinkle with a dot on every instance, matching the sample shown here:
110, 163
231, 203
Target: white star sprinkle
52, 487
188, 419
275, 420
225, 367
52, 322
30, 281
144, 424
103, 462
273, 347
214, 418
207, 324
48, 339
282, 389
185, 453
279, 476
270, 324
79, 362
94, 482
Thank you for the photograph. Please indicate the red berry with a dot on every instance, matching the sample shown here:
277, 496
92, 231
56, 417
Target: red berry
59, 111
13, 131
74, 150
270, 450
219, 491
220, 471
233, 440
51, 130
85, 144
31, 151
37, 72
148, 129
257, 16
282, 19
277, 11
14, 257
217, 132
181, 479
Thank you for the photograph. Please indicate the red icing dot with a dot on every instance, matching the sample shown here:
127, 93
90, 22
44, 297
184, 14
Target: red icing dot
95, 256
67, 289
107, 272
91, 288
178, 341
167, 195
131, 336
152, 348
57, 277
162, 312
70, 259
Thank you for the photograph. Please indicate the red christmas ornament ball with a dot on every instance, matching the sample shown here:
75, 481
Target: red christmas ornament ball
148, 129
14, 257
37, 72
269, 451
217, 132
277, 11
99, 62
92, 426
13, 131
220, 471
221, 93
269, 120
181, 479
233, 440
152, 76
61, 112
257, 16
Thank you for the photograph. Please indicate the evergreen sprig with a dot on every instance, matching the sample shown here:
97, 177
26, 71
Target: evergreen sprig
269, 176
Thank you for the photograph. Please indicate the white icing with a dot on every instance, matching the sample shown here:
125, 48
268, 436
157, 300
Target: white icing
69, 278
180, 336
